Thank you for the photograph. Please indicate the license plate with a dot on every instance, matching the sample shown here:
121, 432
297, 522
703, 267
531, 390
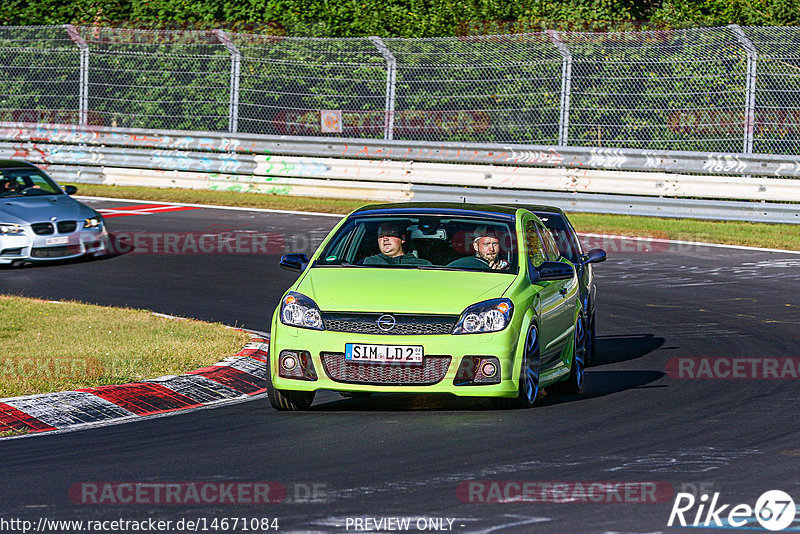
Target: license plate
57, 240
385, 354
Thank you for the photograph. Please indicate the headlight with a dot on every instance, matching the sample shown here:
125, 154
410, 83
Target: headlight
488, 316
10, 229
93, 222
299, 310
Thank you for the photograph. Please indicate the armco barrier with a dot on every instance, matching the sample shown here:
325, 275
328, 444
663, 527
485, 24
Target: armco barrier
714, 163
271, 173
389, 170
388, 191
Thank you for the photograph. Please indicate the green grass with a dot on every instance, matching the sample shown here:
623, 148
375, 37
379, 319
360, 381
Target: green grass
13, 432
783, 236
56, 346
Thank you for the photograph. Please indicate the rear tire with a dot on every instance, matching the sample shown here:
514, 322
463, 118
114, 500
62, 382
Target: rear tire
528, 376
292, 401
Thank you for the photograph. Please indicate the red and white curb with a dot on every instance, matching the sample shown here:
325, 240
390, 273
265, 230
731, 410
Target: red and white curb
239, 376
142, 209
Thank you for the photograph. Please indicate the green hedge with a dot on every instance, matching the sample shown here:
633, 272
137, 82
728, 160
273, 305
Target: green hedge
405, 18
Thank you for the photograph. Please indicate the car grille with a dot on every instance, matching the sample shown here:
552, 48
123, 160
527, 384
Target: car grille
66, 227
405, 325
432, 371
55, 252
42, 228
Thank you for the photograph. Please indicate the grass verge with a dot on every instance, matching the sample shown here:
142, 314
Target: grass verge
56, 346
783, 236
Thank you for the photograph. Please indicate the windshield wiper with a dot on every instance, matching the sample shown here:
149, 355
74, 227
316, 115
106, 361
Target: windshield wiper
436, 268
342, 264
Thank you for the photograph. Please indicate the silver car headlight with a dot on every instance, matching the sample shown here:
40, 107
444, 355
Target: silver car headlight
299, 310
484, 317
11, 229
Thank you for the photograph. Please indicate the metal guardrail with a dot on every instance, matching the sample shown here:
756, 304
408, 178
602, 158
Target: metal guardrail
388, 192
224, 170
721, 210
169, 143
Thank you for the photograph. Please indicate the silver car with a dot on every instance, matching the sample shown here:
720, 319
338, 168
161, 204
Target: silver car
40, 222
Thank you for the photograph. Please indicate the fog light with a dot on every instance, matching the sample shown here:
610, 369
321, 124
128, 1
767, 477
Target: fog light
296, 364
478, 370
288, 363
488, 369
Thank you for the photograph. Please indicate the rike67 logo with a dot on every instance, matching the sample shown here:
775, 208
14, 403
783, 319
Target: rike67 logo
774, 510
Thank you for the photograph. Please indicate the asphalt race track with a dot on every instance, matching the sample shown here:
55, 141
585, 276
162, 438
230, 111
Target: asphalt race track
432, 458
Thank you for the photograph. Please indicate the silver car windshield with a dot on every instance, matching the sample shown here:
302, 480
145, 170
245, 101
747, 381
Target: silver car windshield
424, 242
26, 182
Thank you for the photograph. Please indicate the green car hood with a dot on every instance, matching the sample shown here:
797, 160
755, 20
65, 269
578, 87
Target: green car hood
396, 290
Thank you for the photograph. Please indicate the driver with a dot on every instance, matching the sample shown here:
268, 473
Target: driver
391, 238
7, 186
486, 244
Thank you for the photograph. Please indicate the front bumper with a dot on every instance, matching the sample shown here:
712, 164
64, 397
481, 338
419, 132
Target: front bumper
28, 246
397, 378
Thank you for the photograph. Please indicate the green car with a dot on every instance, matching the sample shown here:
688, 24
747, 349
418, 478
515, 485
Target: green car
463, 299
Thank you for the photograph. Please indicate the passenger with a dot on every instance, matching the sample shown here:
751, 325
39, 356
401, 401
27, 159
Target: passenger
486, 244
391, 238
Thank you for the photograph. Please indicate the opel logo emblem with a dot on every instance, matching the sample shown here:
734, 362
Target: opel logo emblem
386, 322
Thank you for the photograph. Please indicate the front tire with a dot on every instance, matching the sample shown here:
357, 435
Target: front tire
528, 376
292, 401
591, 341
577, 372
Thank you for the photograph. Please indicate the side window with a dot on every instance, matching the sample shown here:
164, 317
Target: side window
37, 181
536, 251
553, 254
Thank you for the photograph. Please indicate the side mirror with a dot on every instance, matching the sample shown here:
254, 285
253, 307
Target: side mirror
70, 189
596, 255
294, 262
555, 270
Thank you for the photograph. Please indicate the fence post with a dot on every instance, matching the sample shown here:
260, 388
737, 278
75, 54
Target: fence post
236, 68
391, 73
566, 86
83, 81
750, 93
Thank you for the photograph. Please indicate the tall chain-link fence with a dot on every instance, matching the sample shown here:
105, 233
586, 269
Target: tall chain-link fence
726, 89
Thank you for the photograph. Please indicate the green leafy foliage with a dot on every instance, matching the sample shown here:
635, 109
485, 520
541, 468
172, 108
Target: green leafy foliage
406, 18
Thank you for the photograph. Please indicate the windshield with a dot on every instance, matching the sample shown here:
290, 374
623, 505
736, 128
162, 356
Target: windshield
26, 182
424, 242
